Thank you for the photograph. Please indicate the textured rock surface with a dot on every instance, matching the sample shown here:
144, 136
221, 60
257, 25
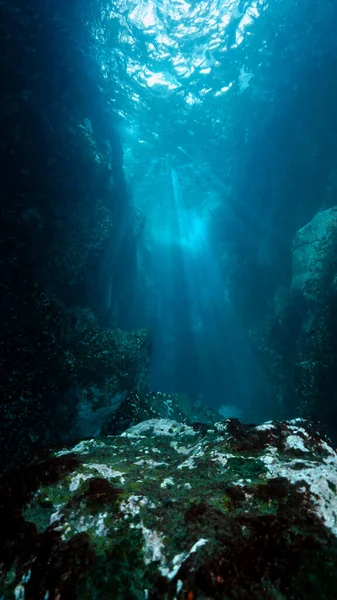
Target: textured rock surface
166, 510
309, 247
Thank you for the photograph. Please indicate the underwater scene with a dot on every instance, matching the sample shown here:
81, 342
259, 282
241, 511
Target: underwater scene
168, 255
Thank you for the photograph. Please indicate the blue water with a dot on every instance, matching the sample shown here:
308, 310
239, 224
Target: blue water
222, 110
168, 223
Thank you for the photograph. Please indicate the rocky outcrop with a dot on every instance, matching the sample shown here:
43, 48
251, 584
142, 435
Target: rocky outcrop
298, 342
311, 249
139, 406
166, 511
63, 237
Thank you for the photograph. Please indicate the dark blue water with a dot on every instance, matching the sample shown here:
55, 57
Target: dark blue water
227, 123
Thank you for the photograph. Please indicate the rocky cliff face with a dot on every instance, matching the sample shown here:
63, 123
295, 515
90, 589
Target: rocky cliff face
63, 204
298, 341
311, 251
315, 284
166, 510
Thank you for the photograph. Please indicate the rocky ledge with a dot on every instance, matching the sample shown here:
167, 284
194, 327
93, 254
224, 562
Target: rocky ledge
171, 511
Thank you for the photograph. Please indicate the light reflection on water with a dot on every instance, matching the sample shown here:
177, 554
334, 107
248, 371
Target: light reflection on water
181, 41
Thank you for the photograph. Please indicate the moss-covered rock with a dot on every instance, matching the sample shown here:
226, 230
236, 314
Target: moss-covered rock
166, 510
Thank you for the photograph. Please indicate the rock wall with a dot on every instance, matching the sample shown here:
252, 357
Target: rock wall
298, 341
311, 248
64, 205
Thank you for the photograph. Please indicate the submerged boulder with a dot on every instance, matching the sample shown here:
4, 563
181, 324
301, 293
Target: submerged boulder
166, 510
137, 407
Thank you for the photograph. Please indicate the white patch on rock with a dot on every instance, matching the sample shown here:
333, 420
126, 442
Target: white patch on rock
179, 559
168, 481
221, 426
297, 420
101, 469
187, 464
26, 577
84, 523
197, 545
77, 479
57, 515
296, 429
19, 592
327, 448
150, 463
106, 471
84, 447
153, 548
158, 427
320, 480
265, 426
271, 456
242, 482
196, 451
295, 442
131, 507
217, 456
180, 449
153, 541
153, 545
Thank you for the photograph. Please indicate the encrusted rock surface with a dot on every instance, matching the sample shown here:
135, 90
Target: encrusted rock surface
166, 510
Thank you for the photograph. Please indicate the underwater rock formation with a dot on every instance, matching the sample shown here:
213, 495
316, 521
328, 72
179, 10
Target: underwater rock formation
140, 406
311, 249
64, 205
316, 360
298, 341
166, 510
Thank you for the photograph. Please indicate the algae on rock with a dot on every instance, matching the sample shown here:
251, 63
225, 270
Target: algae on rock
167, 510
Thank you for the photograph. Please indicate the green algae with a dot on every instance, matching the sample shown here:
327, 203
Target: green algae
137, 527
